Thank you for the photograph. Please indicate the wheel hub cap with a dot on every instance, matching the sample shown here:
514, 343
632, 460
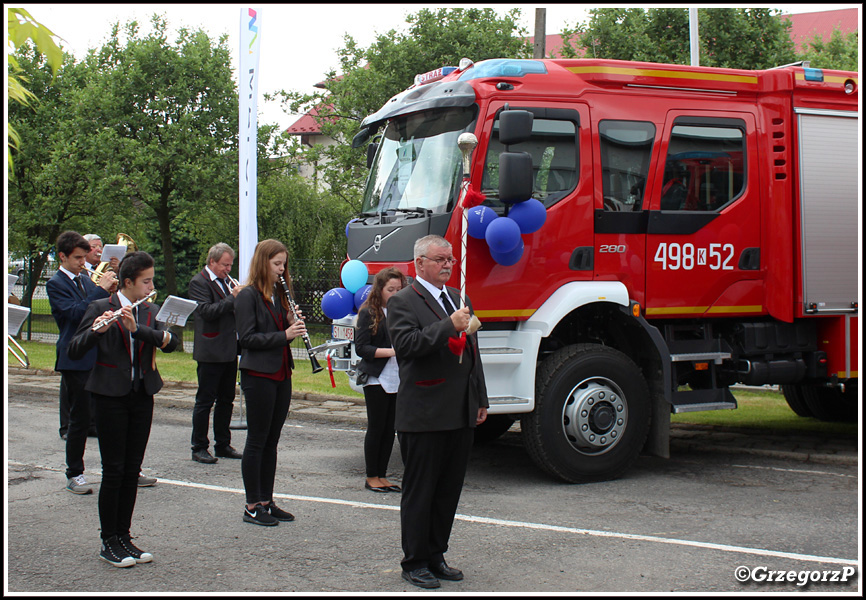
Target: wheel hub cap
595, 415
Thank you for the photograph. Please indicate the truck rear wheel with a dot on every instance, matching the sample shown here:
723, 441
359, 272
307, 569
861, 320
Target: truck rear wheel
794, 397
592, 414
830, 403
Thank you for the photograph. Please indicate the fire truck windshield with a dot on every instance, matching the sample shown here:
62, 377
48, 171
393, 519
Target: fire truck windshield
418, 164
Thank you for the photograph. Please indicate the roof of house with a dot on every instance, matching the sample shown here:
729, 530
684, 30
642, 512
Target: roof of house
804, 27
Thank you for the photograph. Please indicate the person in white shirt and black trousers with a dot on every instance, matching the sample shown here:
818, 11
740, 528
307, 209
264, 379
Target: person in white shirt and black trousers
380, 376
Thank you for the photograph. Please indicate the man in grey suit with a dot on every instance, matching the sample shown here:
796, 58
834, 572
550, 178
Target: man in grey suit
216, 352
441, 398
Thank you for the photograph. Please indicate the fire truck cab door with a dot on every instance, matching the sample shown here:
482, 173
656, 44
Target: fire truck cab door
703, 245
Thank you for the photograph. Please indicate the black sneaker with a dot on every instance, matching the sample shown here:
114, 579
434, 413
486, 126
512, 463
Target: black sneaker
133, 551
260, 516
279, 514
114, 554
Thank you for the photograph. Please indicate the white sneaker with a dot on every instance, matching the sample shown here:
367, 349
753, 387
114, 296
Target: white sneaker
78, 485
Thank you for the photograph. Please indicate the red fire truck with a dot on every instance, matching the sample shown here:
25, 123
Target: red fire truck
701, 231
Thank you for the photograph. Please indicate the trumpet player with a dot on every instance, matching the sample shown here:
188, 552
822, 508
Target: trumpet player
123, 382
94, 257
69, 294
216, 352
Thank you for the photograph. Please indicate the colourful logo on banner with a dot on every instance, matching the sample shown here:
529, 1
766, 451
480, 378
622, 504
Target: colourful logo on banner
254, 29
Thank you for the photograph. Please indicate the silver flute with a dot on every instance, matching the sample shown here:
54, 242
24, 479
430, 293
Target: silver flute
116, 314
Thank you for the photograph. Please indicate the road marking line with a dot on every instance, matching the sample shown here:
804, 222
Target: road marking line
520, 524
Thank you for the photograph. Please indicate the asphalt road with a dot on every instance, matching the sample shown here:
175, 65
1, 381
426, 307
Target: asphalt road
679, 525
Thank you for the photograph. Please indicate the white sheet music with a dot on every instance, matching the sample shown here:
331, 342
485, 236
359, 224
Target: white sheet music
113, 251
13, 279
16, 316
175, 311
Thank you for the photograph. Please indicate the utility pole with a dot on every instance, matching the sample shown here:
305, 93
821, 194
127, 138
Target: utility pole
538, 48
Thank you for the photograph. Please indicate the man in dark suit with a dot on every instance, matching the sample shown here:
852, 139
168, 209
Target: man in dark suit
442, 397
216, 351
69, 294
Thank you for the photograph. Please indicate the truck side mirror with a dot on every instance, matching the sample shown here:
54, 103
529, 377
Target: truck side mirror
515, 177
515, 126
371, 153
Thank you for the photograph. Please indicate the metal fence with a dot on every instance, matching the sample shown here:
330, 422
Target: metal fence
311, 280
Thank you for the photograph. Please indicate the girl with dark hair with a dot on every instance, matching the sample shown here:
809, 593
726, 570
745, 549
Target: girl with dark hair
265, 327
379, 376
123, 382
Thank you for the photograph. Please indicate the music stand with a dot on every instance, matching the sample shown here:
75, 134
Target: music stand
240, 423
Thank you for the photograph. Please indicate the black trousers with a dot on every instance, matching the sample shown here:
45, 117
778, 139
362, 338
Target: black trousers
216, 382
267, 408
79, 420
64, 410
379, 440
123, 428
434, 466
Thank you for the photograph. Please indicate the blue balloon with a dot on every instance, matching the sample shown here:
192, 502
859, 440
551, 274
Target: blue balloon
502, 235
529, 215
337, 303
347, 226
361, 296
354, 275
506, 259
477, 220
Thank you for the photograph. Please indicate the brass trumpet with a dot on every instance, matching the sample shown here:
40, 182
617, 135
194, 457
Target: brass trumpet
123, 240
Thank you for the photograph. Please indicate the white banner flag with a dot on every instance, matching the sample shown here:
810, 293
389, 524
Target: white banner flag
248, 90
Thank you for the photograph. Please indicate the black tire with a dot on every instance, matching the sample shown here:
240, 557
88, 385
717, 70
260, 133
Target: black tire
831, 404
592, 414
492, 428
794, 397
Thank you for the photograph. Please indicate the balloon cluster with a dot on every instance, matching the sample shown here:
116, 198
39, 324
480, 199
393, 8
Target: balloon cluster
342, 301
503, 234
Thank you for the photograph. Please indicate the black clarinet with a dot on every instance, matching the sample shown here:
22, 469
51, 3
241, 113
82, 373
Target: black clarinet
316, 366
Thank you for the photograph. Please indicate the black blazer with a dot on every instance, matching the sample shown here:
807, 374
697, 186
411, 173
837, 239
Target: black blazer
215, 332
262, 340
366, 343
68, 307
112, 373
437, 392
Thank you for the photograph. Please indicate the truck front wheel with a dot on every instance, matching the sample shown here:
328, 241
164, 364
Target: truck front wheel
592, 414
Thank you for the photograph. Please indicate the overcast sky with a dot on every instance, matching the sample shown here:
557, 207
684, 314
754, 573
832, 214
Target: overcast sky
299, 41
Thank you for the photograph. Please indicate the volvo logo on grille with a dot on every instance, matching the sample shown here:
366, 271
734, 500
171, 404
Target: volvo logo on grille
377, 243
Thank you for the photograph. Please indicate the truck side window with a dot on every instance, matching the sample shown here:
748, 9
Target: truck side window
626, 148
704, 169
553, 148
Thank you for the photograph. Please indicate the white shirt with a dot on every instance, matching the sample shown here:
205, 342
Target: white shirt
389, 378
437, 293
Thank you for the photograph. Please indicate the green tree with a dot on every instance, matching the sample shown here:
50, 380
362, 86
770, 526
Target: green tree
368, 77
23, 29
162, 118
48, 189
839, 52
741, 38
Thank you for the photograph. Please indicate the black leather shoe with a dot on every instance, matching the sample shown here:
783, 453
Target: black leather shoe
394, 488
381, 490
443, 571
227, 452
203, 456
423, 578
